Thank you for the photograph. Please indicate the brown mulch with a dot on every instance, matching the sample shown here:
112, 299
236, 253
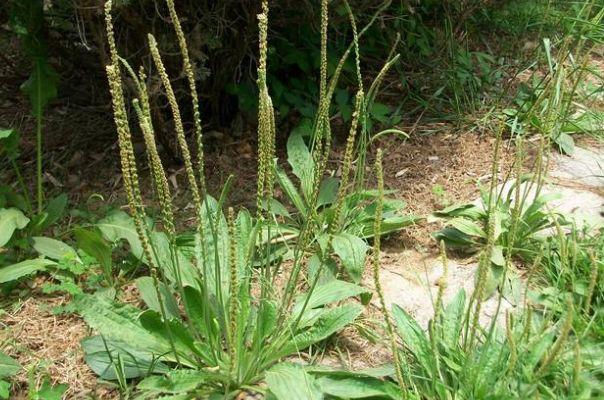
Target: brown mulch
450, 163
48, 346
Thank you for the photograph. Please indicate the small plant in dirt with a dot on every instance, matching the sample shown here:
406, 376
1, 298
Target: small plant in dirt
18, 233
36, 391
528, 357
29, 249
222, 316
72, 271
467, 224
441, 197
512, 220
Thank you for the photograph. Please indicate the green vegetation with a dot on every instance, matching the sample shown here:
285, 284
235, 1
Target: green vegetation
180, 292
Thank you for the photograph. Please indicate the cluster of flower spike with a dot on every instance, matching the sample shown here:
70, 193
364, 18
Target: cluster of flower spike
127, 159
266, 118
128, 162
379, 172
189, 73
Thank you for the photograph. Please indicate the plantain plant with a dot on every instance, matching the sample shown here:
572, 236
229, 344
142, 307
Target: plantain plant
222, 317
338, 213
356, 210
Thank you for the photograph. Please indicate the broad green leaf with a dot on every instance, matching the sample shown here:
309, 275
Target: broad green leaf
452, 364
247, 233
267, 319
453, 238
380, 112
289, 381
217, 247
54, 249
328, 269
11, 219
48, 391
389, 224
331, 292
148, 292
196, 308
328, 191
358, 387
539, 348
174, 331
8, 366
120, 323
330, 322
351, 250
493, 280
381, 371
498, 223
468, 227
453, 319
41, 87
497, 257
276, 208
4, 389
470, 211
93, 244
119, 226
412, 335
291, 191
513, 288
173, 263
9, 143
391, 209
102, 354
300, 159
6, 133
342, 99
177, 381
55, 209
565, 142
24, 268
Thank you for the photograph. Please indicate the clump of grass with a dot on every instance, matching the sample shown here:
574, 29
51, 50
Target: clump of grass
557, 100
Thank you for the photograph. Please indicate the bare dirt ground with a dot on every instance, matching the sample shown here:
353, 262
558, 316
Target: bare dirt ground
48, 347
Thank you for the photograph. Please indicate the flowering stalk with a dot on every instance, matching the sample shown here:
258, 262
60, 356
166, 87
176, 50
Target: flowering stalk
190, 74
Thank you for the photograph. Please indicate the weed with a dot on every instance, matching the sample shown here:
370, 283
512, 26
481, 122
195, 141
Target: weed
8, 367
556, 104
571, 265
27, 20
216, 322
349, 217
